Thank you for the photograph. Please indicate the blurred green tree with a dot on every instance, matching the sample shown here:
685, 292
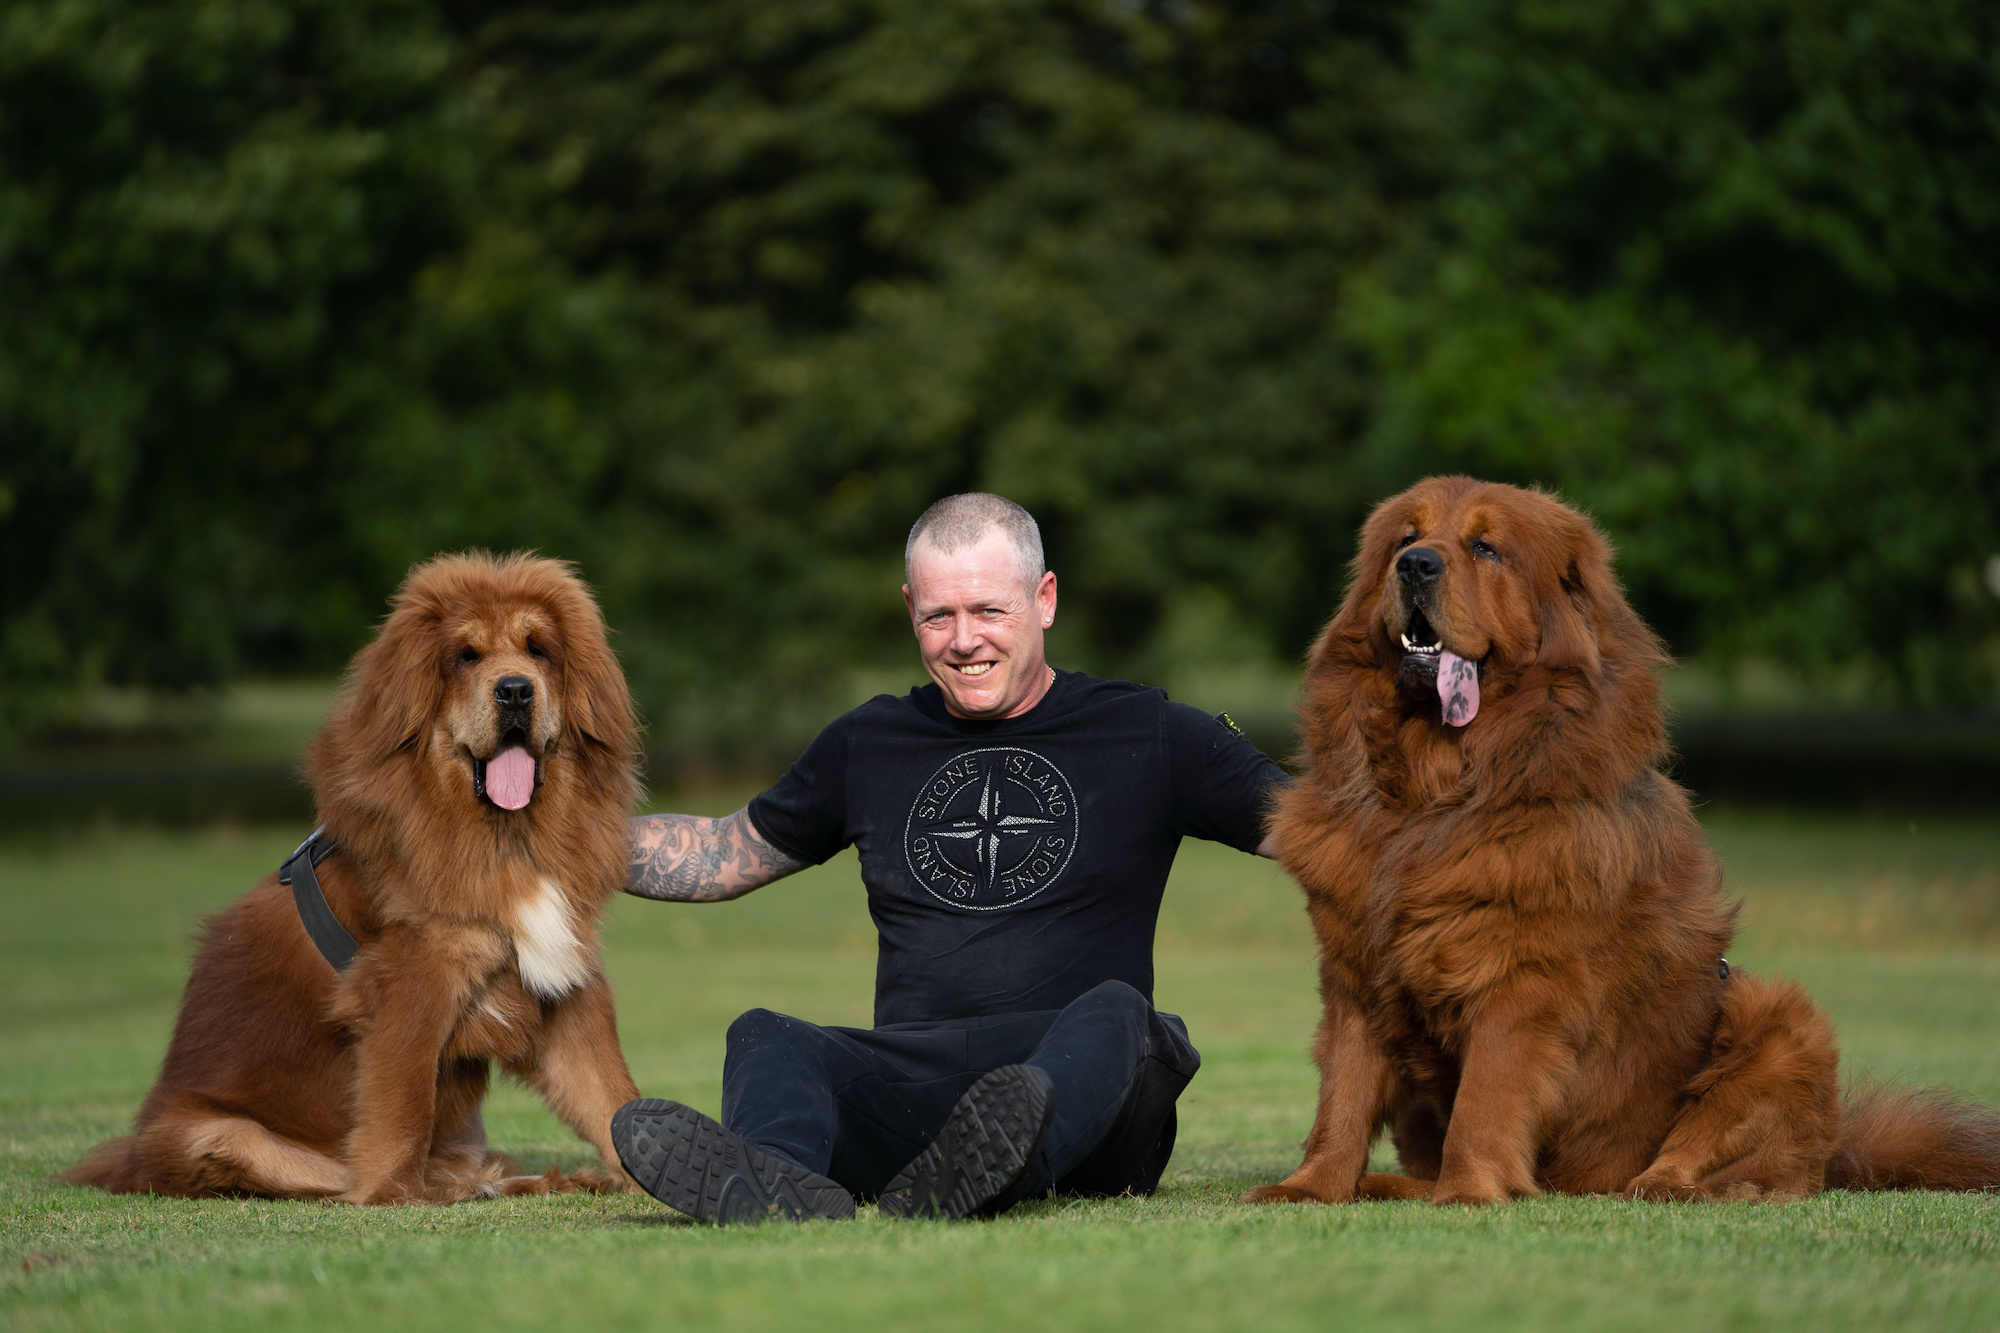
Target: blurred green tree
210, 218
710, 297
1728, 273
713, 297
253, 256
1088, 255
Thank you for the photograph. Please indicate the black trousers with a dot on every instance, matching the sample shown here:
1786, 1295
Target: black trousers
856, 1104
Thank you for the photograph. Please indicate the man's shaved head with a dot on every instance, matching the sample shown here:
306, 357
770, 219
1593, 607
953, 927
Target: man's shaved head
959, 521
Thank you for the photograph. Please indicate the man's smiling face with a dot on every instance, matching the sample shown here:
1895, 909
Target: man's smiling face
979, 619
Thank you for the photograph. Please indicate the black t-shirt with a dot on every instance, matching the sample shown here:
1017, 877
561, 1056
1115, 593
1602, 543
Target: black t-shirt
1012, 866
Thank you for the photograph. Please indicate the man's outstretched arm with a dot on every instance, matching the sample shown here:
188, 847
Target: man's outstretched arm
689, 859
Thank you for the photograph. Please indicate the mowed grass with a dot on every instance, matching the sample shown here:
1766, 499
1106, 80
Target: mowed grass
1895, 927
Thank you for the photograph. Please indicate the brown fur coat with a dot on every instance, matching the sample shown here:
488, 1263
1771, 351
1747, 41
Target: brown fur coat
477, 922
1521, 926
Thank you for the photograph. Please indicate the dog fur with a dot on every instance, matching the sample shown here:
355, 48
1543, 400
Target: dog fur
1520, 922
477, 925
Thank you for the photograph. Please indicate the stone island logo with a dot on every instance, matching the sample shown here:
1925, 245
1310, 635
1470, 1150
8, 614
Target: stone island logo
991, 829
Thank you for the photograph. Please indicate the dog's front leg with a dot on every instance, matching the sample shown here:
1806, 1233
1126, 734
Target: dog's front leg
1353, 1087
579, 1069
405, 998
1517, 1067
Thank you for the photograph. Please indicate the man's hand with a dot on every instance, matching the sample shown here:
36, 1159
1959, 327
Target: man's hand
689, 859
1269, 847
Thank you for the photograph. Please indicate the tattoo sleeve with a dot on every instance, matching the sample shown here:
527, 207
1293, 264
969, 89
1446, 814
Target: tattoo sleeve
688, 859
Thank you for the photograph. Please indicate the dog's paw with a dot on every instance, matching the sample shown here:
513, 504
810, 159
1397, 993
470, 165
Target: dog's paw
1381, 1185
550, 1181
590, 1180
382, 1192
1280, 1194
1476, 1190
1663, 1185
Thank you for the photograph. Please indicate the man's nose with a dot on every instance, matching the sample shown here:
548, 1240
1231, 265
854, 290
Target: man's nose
1419, 565
514, 692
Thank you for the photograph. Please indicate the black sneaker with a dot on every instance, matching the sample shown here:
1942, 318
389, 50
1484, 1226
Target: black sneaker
986, 1144
692, 1164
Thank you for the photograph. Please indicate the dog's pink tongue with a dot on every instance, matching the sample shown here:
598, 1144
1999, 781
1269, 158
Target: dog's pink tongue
510, 778
1458, 687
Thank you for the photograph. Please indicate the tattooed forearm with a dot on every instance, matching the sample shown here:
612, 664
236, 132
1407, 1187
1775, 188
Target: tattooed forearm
688, 859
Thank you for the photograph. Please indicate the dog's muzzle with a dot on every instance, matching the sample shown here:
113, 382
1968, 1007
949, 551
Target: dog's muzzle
509, 779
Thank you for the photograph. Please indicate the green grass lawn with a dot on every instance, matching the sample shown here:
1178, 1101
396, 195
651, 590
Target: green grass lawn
1896, 928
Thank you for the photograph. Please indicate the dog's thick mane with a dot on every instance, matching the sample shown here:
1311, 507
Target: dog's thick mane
1574, 716
379, 789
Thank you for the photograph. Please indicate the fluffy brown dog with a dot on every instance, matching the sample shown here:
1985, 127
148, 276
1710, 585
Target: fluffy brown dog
1520, 924
475, 774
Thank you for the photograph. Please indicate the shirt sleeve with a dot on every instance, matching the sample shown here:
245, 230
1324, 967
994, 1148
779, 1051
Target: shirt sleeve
1222, 783
804, 815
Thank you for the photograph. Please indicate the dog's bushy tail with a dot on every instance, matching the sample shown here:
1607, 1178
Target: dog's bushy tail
107, 1166
1914, 1139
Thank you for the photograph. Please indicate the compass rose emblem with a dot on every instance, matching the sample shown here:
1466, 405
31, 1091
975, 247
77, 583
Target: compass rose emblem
991, 829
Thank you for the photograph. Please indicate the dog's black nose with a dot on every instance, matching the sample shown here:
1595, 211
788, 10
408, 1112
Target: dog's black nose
1420, 564
514, 692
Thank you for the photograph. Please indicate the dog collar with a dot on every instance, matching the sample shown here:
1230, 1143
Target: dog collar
334, 943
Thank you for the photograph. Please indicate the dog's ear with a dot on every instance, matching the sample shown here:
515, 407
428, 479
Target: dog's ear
596, 701
1576, 601
396, 685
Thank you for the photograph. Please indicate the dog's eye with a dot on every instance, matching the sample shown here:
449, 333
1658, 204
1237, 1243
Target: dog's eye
467, 656
1408, 537
535, 650
1484, 551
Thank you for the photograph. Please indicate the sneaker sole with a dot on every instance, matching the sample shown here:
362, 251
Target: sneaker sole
693, 1165
992, 1134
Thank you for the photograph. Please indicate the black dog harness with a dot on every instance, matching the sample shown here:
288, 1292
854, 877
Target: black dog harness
335, 944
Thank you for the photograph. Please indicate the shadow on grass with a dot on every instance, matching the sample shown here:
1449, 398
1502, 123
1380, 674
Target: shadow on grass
670, 1220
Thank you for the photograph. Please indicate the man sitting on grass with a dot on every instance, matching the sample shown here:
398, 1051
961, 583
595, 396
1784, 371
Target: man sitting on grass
1015, 825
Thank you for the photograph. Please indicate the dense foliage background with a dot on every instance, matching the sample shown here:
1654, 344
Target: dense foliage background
713, 297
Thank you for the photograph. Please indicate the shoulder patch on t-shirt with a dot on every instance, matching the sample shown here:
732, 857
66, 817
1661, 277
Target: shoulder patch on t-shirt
1229, 722
991, 829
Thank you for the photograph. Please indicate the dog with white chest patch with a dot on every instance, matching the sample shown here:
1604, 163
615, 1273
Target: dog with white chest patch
473, 781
